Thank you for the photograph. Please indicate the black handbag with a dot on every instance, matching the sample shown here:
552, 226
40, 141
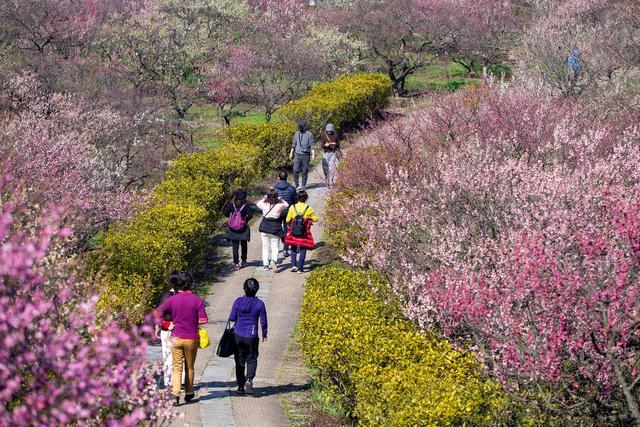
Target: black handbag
271, 226
227, 344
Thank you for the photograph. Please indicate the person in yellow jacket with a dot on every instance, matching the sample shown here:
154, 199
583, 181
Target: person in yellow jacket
299, 252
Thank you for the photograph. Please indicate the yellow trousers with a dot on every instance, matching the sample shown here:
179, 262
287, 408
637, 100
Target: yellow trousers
183, 350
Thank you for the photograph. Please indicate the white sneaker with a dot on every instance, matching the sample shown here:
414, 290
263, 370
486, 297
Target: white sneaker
273, 265
294, 269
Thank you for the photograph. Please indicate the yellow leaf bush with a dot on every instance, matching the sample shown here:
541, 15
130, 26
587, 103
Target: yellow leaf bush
378, 367
273, 139
347, 100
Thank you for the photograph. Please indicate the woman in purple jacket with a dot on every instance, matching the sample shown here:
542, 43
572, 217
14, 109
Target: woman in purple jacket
245, 312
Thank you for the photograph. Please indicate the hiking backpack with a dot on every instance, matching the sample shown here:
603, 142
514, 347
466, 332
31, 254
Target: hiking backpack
236, 222
299, 224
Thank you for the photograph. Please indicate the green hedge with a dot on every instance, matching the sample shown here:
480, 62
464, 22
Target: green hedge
170, 232
379, 368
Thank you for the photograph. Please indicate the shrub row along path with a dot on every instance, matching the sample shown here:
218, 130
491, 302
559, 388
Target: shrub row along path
217, 404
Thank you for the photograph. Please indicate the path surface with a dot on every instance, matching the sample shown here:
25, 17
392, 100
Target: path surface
282, 293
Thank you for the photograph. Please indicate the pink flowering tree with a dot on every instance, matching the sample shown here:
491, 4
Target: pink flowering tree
481, 33
397, 35
575, 46
274, 61
57, 150
504, 220
57, 367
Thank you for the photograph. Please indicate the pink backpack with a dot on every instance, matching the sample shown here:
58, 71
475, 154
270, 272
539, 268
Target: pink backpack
236, 222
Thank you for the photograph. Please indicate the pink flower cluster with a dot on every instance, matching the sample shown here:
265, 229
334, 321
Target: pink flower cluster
509, 219
57, 150
57, 367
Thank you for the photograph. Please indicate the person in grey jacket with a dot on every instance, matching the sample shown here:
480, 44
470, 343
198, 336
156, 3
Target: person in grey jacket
302, 153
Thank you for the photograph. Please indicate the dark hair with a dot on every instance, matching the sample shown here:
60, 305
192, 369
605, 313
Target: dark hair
183, 280
272, 197
283, 175
302, 196
251, 287
174, 279
239, 196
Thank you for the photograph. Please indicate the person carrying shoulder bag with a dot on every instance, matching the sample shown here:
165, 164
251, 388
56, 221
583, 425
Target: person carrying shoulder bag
272, 207
246, 312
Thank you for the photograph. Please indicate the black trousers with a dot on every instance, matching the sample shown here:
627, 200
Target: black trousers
236, 245
246, 354
284, 232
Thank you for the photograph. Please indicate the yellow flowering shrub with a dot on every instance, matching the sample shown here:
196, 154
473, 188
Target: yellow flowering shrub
233, 165
198, 190
347, 100
379, 368
273, 139
157, 240
127, 294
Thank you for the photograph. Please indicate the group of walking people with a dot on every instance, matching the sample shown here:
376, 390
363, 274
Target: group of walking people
178, 317
285, 226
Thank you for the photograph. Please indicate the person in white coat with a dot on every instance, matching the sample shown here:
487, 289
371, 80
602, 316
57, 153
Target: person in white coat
272, 207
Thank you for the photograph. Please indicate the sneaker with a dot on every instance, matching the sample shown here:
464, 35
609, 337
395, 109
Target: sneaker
273, 265
266, 268
300, 271
294, 269
236, 266
249, 387
189, 397
176, 401
244, 264
240, 391
286, 254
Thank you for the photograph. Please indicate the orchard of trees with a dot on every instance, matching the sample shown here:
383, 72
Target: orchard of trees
515, 203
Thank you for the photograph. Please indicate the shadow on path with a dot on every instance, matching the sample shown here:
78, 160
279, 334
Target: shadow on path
258, 391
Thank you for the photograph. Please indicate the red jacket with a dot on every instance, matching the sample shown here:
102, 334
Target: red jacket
304, 242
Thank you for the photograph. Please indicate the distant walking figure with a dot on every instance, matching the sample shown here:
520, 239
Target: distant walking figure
245, 312
187, 312
272, 207
238, 231
288, 193
331, 148
302, 153
299, 219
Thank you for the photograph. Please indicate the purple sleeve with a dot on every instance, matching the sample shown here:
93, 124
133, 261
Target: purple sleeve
263, 321
202, 313
233, 316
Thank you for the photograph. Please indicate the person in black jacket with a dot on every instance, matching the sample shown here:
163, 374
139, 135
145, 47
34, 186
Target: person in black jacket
288, 193
239, 238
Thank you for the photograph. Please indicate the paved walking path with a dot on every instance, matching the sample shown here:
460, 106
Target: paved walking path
282, 292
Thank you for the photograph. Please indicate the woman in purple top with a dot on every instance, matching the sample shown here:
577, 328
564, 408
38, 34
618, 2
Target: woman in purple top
187, 312
245, 312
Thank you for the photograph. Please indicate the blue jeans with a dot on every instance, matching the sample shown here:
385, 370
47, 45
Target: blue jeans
298, 261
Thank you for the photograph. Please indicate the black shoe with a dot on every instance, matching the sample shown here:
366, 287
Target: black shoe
176, 401
240, 391
249, 387
189, 397
286, 254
